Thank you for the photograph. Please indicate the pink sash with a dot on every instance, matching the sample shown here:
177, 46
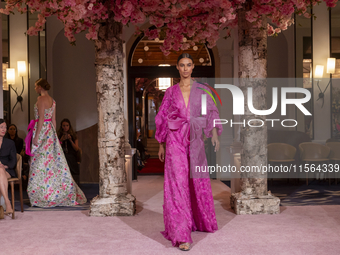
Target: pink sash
195, 124
29, 136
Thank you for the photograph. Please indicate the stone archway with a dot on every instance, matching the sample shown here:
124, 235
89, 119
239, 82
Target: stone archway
150, 68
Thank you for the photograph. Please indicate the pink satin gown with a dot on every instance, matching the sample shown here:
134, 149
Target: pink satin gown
188, 202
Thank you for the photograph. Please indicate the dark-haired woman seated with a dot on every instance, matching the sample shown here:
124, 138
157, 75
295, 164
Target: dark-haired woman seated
8, 161
69, 143
12, 133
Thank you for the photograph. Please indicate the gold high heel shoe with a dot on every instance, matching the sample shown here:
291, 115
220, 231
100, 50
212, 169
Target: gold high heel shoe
184, 246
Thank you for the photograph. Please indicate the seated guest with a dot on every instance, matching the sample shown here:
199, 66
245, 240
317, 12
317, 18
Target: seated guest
12, 133
69, 141
8, 161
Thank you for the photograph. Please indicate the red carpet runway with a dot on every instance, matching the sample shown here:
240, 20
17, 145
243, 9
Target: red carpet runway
153, 166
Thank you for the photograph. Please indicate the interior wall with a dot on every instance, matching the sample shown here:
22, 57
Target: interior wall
280, 67
71, 72
277, 56
74, 81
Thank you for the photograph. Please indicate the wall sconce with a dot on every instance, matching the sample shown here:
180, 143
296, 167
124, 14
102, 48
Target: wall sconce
331, 65
319, 71
10, 76
319, 74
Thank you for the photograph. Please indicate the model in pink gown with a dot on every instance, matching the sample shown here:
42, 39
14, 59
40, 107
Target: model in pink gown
188, 202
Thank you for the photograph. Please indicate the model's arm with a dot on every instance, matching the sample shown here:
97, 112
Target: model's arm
53, 118
162, 124
161, 152
41, 111
214, 139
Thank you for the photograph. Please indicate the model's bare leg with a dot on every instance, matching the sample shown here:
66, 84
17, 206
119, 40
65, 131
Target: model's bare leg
4, 176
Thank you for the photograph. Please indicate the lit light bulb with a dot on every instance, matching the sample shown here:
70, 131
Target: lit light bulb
195, 48
184, 39
140, 61
146, 48
156, 39
201, 60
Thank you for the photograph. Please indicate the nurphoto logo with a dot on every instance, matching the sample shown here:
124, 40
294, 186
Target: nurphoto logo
238, 105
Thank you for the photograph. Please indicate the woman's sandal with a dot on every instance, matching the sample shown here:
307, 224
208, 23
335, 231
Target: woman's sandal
184, 246
10, 214
2, 214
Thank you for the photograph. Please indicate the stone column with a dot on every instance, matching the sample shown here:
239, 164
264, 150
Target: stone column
254, 197
113, 199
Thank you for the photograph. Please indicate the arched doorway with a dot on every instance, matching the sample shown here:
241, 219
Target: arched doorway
146, 65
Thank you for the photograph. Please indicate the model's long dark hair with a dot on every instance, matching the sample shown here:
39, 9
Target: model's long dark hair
70, 130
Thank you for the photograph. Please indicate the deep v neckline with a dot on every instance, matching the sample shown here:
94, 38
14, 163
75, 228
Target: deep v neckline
186, 105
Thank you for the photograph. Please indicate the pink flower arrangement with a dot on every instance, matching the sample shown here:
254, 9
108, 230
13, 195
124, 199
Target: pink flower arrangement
199, 21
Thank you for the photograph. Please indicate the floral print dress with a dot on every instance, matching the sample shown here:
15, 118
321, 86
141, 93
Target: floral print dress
50, 182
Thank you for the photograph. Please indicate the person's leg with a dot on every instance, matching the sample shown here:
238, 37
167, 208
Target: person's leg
4, 188
202, 201
177, 206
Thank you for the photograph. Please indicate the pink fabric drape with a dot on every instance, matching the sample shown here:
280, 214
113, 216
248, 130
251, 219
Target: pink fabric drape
188, 202
29, 136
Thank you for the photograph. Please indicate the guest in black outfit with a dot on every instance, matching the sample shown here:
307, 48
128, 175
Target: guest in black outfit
8, 159
12, 133
69, 141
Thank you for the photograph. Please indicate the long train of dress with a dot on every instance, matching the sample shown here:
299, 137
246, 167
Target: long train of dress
50, 182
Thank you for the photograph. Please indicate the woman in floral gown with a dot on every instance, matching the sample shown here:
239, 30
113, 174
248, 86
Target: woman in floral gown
188, 202
50, 182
